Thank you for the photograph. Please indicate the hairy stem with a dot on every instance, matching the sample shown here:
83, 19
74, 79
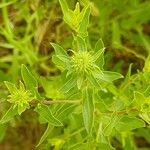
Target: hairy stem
51, 102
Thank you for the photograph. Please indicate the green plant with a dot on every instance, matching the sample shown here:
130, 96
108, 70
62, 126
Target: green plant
87, 99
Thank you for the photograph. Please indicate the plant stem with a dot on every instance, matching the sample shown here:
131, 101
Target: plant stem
51, 102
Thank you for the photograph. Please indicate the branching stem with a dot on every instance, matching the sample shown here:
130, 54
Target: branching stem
51, 102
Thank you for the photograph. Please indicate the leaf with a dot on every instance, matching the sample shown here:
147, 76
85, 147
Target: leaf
69, 84
22, 108
65, 110
129, 123
99, 49
128, 75
3, 128
58, 62
93, 80
45, 134
145, 117
80, 44
139, 98
29, 79
59, 51
147, 65
68, 14
9, 115
10, 86
80, 82
113, 122
109, 76
82, 30
47, 116
88, 109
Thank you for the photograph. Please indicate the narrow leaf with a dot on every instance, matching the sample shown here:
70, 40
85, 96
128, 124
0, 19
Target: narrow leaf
59, 50
82, 30
46, 115
3, 128
9, 114
45, 134
80, 44
129, 123
88, 109
10, 86
110, 76
99, 50
29, 79
69, 84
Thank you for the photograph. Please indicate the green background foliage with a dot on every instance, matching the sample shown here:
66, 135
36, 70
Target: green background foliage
74, 75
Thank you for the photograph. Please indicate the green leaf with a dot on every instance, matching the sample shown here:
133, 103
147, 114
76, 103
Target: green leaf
128, 75
68, 14
99, 45
85, 14
29, 79
99, 50
147, 65
69, 84
62, 112
88, 109
110, 126
80, 44
22, 108
58, 62
45, 135
3, 128
9, 115
109, 76
47, 116
129, 123
139, 98
93, 81
145, 117
79, 82
10, 86
59, 50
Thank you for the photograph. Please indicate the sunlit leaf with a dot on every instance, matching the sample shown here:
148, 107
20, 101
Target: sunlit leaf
88, 109
46, 115
9, 115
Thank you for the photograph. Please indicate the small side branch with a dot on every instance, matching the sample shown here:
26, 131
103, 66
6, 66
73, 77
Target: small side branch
52, 102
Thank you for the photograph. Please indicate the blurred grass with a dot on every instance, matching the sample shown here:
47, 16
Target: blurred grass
28, 26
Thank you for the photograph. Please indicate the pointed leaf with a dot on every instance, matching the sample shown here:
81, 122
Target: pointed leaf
46, 115
3, 128
99, 48
129, 123
88, 109
69, 84
93, 80
79, 82
45, 134
139, 98
68, 14
59, 50
9, 115
80, 44
10, 86
110, 76
82, 30
29, 79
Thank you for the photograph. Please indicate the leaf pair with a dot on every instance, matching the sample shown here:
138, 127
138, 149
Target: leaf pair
77, 20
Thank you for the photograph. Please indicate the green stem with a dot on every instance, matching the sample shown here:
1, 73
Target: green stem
52, 102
